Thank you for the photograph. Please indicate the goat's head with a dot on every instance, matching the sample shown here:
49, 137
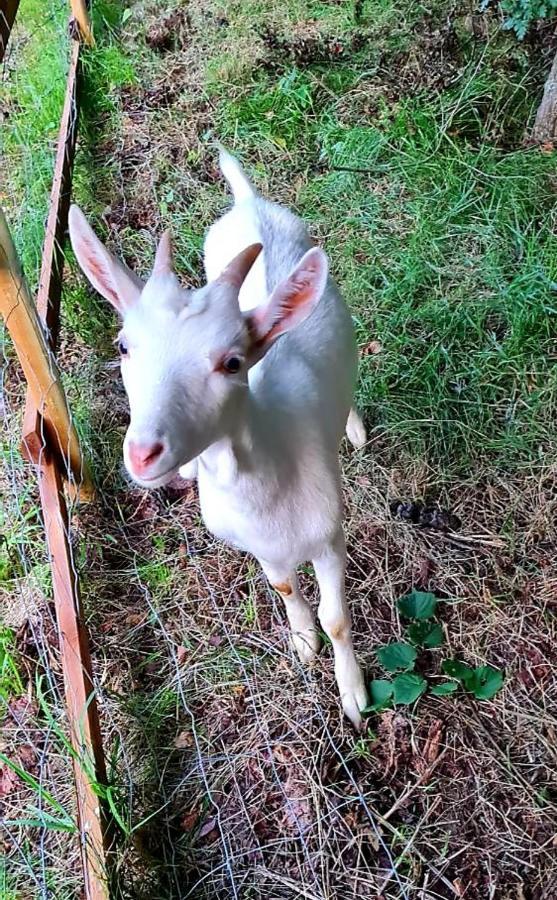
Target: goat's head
185, 354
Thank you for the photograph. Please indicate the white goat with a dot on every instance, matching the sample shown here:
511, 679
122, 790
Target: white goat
248, 383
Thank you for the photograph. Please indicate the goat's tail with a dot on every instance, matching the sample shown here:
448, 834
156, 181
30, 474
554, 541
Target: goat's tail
240, 185
355, 429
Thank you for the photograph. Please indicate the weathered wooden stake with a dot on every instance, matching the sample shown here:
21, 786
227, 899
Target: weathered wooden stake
50, 281
83, 721
51, 441
81, 15
38, 364
545, 126
8, 10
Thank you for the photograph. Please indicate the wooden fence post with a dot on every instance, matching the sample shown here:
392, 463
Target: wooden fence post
83, 721
50, 281
38, 364
81, 15
51, 441
8, 10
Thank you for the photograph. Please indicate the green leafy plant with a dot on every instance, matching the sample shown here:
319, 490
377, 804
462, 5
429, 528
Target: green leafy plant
404, 689
483, 682
520, 15
426, 634
420, 606
381, 693
399, 659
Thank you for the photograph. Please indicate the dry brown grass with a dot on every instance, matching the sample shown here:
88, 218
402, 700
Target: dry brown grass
33, 852
256, 778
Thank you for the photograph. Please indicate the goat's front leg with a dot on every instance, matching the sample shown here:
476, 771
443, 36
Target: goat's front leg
335, 618
305, 638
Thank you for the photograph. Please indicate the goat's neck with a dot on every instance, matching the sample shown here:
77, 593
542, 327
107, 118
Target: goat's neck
244, 448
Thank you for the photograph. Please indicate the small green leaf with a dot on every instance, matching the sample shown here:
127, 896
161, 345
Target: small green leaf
417, 605
456, 669
425, 634
381, 692
397, 656
446, 687
417, 631
408, 687
435, 637
126, 15
485, 682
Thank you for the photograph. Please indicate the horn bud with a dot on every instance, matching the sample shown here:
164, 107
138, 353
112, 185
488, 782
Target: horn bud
163, 256
237, 270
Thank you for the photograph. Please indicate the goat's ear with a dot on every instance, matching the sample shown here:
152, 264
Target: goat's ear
109, 277
291, 301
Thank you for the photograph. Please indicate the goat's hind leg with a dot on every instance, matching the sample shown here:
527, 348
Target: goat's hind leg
305, 638
335, 618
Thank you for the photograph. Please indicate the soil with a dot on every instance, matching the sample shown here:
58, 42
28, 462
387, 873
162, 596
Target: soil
170, 33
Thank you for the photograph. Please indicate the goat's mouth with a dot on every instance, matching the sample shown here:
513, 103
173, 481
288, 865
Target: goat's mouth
156, 481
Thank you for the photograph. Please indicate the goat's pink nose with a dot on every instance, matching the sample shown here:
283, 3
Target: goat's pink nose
144, 455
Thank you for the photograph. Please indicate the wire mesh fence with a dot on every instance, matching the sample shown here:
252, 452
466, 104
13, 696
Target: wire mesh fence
56, 696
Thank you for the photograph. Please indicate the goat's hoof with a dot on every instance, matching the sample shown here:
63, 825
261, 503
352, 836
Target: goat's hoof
306, 644
353, 702
356, 430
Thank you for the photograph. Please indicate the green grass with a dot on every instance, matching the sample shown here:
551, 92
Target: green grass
440, 228
35, 95
10, 680
443, 243
106, 69
460, 291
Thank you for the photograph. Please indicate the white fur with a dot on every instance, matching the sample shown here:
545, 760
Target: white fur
263, 443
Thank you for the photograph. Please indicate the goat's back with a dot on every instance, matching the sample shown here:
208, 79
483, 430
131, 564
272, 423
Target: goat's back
311, 370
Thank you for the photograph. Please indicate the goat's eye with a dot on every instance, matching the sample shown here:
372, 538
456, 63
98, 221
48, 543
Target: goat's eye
122, 348
232, 364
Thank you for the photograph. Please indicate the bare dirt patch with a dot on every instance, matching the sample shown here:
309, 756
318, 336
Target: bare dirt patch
306, 45
169, 33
